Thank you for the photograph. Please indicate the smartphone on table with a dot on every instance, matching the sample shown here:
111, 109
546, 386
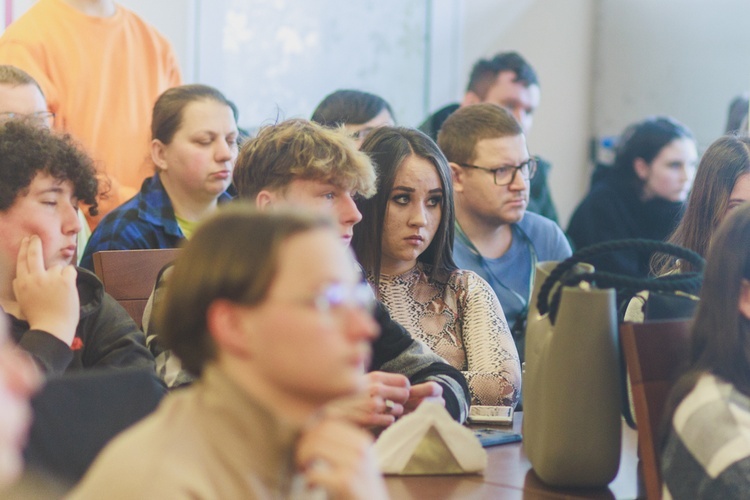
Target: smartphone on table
502, 415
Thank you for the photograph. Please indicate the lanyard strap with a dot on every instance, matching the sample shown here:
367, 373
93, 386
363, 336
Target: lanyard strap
493, 277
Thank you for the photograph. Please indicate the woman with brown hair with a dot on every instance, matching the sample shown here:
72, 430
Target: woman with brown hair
722, 183
707, 451
193, 147
404, 243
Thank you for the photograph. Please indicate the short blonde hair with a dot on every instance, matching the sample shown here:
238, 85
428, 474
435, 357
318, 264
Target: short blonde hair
299, 149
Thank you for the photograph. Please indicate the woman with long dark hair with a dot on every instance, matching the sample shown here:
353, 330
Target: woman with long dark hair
722, 183
404, 243
641, 196
707, 451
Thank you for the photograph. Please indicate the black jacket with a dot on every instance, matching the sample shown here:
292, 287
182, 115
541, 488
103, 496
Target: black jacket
106, 335
613, 210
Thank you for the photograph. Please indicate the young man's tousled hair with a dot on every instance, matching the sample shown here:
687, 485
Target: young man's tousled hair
299, 149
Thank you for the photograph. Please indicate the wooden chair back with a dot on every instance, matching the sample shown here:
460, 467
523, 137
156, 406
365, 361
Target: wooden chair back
129, 275
656, 353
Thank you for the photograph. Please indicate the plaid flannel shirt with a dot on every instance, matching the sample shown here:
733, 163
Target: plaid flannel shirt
145, 221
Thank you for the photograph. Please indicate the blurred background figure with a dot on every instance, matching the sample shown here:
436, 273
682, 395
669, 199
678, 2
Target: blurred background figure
641, 196
737, 116
358, 112
722, 183
19, 378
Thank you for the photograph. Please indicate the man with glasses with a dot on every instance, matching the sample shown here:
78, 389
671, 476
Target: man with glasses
507, 80
495, 236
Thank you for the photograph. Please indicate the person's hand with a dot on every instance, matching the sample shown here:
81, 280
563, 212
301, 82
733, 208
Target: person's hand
379, 402
337, 456
426, 391
48, 298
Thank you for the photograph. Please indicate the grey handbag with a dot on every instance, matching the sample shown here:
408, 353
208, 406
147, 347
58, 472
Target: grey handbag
573, 378
571, 387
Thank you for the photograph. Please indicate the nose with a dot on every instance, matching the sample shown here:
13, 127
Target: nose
348, 212
361, 325
72, 220
224, 152
418, 217
519, 182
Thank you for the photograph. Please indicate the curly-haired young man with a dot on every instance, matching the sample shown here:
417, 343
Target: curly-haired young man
58, 313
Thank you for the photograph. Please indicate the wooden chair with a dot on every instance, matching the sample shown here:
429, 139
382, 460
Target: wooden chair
129, 275
656, 353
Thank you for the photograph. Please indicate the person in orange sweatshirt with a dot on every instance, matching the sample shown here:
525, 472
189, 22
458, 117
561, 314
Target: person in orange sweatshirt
101, 68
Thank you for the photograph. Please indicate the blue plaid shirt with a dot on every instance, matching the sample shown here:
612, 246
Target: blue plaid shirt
145, 221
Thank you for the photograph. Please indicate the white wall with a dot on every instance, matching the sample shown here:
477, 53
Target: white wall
684, 58
557, 38
278, 59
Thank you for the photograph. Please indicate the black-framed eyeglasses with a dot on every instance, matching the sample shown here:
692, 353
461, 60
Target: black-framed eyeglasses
39, 117
504, 176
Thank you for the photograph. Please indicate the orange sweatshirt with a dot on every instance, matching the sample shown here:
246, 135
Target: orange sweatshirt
101, 77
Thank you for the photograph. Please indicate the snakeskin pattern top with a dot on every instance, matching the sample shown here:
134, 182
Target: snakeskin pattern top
462, 321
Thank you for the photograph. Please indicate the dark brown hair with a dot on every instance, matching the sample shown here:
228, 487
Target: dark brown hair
484, 73
389, 147
720, 342
645, 140
27, 150
234, 256
349, 106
